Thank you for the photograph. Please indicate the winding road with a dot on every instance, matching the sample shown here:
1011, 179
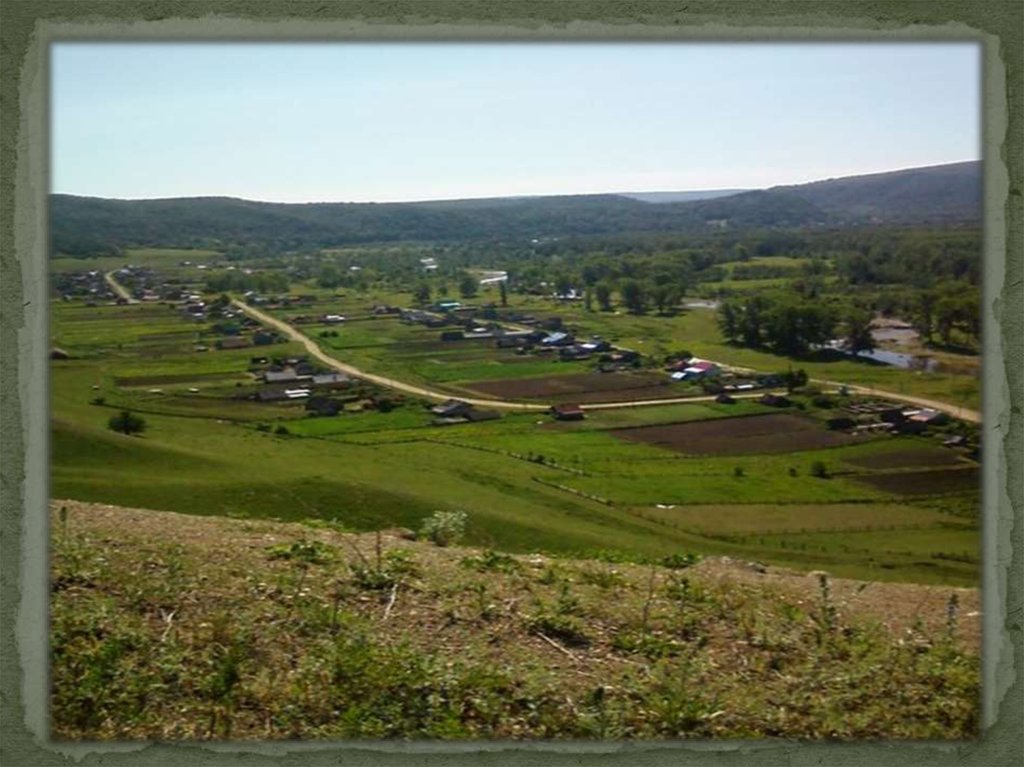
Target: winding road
314, 350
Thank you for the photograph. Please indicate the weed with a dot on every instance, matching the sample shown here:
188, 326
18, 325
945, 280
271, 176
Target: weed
444, 528
308, 552
492, 561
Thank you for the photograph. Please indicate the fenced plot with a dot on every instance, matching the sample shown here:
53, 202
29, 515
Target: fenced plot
772, 433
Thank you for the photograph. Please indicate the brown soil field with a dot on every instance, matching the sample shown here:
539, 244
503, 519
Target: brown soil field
772, 433
925, 482
582, 387
901, 459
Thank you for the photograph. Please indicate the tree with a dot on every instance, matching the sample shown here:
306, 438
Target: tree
503, 289
422, 293
563, 284
634, 296
665, 297
603, 293
858, 331
126, 422
467, 286
729, 321
588, 300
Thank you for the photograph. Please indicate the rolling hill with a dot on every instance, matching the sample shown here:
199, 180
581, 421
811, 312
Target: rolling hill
936, 195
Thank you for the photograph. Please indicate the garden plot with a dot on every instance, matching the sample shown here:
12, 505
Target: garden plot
772, 433
581, 387
903, 459
937, 482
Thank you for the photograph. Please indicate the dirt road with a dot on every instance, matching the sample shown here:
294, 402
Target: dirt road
118, 288
419, 391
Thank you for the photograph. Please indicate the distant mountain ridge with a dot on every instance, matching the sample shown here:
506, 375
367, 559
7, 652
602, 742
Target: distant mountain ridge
942, 194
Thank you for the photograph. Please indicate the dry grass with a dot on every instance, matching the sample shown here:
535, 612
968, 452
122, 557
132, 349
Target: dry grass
177, 627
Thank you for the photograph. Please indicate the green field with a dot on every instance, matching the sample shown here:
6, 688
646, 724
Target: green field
528, 483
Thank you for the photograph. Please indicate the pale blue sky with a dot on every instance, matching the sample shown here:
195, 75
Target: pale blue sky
404, 121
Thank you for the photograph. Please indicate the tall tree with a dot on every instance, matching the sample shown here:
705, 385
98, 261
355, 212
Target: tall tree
634, 296
858, 331
603, 294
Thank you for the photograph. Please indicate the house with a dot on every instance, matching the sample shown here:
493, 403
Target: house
271, 395
324, 406
725, 399
840, 423
774, 400
332, 319
232, 342
297, 393
927, 416
451, 408
700, 369
447, 306
958, 441
286, 375
575, 352
333, 380
567, 412
475, 416
452, 335
558, 338
264, 338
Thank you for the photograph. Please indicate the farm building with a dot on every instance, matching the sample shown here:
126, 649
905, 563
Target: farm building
232, 342
558, 339
451, 408
286, 375
567, 412
331, 379
324, 406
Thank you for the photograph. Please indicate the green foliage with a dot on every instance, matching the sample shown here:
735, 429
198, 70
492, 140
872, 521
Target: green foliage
444, 528
819, 469
307, 552
127, 422
492, 561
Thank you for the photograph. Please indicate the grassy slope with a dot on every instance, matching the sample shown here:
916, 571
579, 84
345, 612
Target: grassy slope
154, 636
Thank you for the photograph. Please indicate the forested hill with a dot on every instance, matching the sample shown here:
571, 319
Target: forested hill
940, 193
83, 225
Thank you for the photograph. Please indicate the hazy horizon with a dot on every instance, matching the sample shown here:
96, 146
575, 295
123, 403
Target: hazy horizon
417, 122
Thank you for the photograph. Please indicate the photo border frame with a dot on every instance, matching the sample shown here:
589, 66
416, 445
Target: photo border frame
29, 28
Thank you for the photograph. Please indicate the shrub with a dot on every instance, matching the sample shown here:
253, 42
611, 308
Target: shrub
739, 471
444, 527
99, 400
126, 422
819, 469
679, 561
281, 430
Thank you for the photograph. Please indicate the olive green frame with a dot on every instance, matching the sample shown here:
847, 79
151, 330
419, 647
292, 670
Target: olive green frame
28, 28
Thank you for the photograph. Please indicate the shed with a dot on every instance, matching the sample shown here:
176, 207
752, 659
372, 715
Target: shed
567, 412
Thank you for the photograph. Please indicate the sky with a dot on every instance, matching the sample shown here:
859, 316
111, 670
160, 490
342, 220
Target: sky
296, 122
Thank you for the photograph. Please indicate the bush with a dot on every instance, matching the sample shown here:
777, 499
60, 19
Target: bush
99, 400
444, 527
281, 430
819, 469
126, 422
738, 471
